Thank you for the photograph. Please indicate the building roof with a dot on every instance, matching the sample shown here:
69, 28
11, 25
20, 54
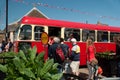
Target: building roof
34, 12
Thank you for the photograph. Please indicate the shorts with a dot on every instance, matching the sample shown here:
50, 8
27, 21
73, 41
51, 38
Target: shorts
75, 67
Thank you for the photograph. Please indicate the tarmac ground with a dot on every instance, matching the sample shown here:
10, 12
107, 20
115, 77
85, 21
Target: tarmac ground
82, 76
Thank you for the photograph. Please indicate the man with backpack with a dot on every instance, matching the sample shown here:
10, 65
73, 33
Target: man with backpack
66, 51
56, 52
65, 48
75, 57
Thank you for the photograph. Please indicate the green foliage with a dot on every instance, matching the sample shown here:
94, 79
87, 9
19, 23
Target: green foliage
28, 66
106, 55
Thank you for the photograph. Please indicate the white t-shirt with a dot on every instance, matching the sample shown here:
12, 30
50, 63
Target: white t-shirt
76, 48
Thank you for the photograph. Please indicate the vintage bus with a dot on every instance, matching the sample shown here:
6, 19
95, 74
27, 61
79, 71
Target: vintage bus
30, 29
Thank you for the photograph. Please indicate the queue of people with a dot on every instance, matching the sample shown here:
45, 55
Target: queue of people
71, 63
72, 56
6, 46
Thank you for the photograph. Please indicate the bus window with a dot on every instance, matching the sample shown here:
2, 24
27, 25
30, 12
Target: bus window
37, 32
88, 33
25, 32
102, 36
112, 34
54, 31
72, 32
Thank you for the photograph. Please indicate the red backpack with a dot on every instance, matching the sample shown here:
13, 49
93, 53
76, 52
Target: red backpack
60, 54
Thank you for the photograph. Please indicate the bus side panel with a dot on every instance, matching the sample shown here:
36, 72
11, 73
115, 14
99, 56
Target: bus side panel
41, 48
39, 45
83, 55
82, 51
105, 47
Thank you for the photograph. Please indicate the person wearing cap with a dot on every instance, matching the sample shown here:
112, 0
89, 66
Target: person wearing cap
75, 57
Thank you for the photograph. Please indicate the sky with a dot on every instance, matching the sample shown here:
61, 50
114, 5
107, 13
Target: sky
91, 11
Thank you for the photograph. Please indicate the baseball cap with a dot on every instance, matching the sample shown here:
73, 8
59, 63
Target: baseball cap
73, 40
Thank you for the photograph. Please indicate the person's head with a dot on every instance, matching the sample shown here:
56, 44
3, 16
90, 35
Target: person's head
51, 41
61, 40
73, 41
89, 41
56, 40
71, 35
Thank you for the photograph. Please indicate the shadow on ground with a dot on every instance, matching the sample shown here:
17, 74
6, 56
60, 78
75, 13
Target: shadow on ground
82, 76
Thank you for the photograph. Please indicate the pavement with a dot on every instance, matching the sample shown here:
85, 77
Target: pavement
84, 75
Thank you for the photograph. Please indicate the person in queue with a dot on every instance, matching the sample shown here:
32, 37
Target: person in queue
8, 46
66, 51
52, 53
65, 48
75, 57
3, 45
51, 41
90, 50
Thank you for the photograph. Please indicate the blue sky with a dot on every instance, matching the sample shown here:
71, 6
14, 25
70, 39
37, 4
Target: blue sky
105, 11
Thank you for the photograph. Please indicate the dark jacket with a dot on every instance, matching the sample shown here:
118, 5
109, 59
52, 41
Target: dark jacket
52, 53
65, 49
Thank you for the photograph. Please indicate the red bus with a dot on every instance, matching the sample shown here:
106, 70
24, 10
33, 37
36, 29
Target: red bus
29, 31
